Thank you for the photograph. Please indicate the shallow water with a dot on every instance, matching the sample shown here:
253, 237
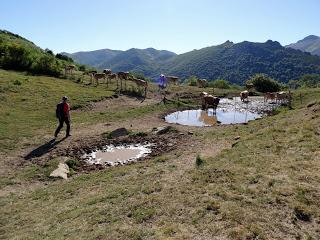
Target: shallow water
201, 118
229, 111
112, 155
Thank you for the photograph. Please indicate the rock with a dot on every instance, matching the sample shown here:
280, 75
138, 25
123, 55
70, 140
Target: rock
61, 172
119, 132
237, 138
311, 104
162, 130
190, 133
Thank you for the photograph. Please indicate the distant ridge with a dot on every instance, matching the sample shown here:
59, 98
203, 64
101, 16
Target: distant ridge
235, 62
309, 44
146, 60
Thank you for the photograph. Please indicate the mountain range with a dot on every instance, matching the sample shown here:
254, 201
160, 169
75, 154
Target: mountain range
309, 44
235, 62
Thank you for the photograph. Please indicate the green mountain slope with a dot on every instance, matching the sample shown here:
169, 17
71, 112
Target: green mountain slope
309, 44
146, 61
237, 62
18, 53
135, 60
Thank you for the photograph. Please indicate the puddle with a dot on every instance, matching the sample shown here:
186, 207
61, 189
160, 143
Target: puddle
115, 155
229, 111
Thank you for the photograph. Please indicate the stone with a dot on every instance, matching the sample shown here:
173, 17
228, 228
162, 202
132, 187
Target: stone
190, 133
120, 132
61, 172
236, 137
162, 130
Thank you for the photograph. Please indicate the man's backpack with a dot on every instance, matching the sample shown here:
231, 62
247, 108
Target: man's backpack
59, 110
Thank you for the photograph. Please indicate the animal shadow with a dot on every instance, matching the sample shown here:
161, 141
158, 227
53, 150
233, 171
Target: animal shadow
43, 149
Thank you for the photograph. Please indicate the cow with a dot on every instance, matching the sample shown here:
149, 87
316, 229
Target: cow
244, 95
269, 95
123, 76
140, 83
68, 69
202, 83
209, 100
172, 79
97, 76
107, 71
282, 97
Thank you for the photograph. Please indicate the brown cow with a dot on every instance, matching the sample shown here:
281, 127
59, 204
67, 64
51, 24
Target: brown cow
68, 69
269, 95
97, 76
202, 83
172, 79
209, 100
244, 95
283, 97
123, 76
140, 83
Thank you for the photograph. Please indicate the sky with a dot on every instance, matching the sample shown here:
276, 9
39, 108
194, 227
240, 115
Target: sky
175, 25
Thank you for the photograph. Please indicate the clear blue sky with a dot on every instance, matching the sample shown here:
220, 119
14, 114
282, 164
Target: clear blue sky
176, 25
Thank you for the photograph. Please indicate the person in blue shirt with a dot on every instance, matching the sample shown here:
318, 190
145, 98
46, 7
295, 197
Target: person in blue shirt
162, 82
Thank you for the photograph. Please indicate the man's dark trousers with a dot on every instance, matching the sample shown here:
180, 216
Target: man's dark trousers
61, 121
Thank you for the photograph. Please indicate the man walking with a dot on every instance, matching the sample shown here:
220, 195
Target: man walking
63, 115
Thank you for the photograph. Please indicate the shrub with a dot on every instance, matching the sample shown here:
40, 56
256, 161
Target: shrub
191, 81
263, 83
199, 161
64, 57
220, 83
309, 81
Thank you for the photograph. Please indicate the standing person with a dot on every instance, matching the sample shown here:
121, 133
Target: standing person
162, 82
63, 115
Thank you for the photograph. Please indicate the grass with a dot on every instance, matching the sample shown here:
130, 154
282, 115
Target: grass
264, 187
29, 107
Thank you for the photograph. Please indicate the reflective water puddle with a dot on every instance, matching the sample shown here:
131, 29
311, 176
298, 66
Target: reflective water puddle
201, 118
115, 155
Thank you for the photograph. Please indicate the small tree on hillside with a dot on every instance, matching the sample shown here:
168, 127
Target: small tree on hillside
191, 81
263, 83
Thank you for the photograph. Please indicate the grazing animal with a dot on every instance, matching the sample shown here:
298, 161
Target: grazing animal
98, 76
269, 95
172, 79
244, 95
140, 83
209, 100
282, 97
68, 69
113, 76
202, 83
123, 76
90, 74
107, 71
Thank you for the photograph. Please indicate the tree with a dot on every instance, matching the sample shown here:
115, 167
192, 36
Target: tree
310, 80
263, 83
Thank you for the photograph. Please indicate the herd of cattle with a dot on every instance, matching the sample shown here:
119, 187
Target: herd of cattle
207, 100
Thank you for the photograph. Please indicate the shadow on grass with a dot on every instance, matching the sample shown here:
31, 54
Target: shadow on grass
43, 149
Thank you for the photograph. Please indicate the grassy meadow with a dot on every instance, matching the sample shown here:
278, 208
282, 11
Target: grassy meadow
261, 182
